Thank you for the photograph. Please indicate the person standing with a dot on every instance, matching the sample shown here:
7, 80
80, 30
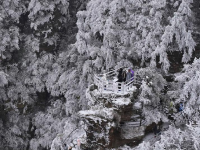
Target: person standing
155, 129
120, 79
124, 76
128, 75
181, 107
120, 76
177, 106
161, 104
160, 124
171, 104
132, 73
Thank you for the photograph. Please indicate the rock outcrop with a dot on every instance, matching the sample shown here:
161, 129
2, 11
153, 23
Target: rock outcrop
111, 120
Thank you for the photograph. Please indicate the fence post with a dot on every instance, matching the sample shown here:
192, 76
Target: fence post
122, 87
113, 90
126, 87
141, 114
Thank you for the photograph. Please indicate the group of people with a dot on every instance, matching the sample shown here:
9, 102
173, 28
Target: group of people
125, 75
178, 106
158, 127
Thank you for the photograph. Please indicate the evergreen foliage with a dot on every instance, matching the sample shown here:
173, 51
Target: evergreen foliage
45, 71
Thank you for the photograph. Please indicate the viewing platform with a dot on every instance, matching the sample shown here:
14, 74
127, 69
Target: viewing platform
108, 83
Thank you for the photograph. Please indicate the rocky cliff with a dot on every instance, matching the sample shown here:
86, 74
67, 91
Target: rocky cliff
112, 120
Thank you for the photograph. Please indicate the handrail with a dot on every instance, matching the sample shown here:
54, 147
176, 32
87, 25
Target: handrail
111, 71
104, 84
114, 71
129, 80
132, 80
136, 124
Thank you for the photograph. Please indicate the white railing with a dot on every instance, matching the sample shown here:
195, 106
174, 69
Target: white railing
108, 83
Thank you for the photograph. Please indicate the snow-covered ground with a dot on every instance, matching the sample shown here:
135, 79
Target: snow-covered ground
151, 138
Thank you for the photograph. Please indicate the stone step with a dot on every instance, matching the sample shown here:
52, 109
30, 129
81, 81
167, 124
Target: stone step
132, 123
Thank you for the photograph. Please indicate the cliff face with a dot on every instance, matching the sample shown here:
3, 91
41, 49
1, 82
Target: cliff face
111, 121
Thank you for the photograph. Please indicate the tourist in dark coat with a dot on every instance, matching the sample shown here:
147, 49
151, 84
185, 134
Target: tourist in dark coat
120, 76
160, 124
124, 76
155, 129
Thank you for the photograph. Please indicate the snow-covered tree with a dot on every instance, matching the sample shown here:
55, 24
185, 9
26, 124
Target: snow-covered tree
43, 79
10, 11
152, 85
47, 20
189, 82
175, 138
31, 75
115, 30
179, 32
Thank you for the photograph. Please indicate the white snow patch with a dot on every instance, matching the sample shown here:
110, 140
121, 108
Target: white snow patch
121, 101
129, 132
97, 113
137, 105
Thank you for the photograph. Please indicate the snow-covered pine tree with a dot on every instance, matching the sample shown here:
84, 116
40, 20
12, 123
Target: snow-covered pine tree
177, 32
150, 94
48, 19
9, 26
110, 31
189, 84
